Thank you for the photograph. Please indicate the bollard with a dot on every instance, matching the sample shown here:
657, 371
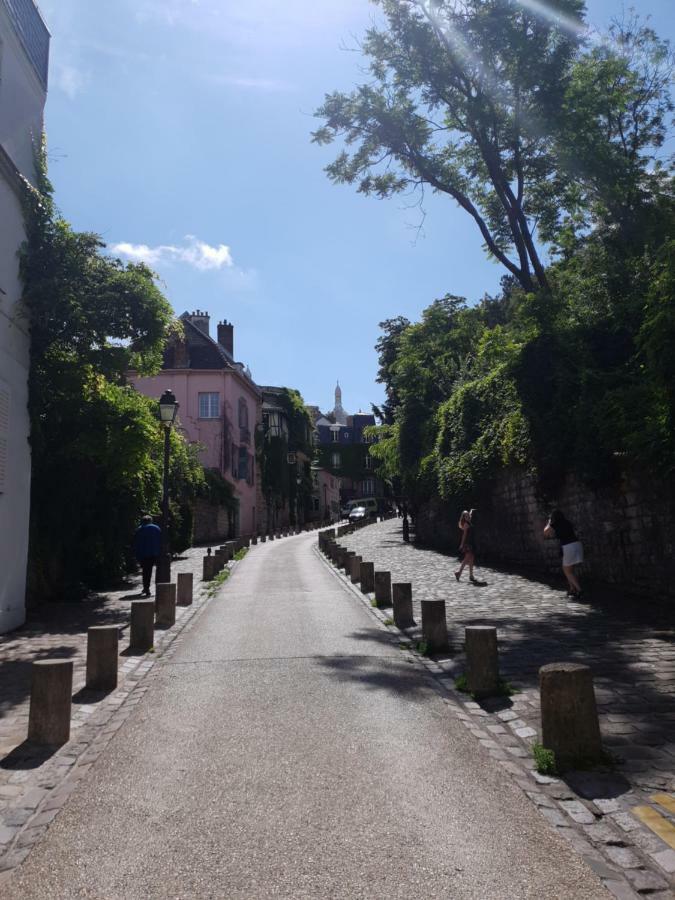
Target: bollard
434, 626
569, 716
482, 660
271, 536
367, 577
184, 584
254, 540
165, 599
355, 573
383, 588
339, 554
220, 558
102, 656
231, 548
50, 701
141, 631
347, 560
402, 602
209, 570
263, 538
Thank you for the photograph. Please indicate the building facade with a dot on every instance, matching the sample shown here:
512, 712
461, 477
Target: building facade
343, 450
220, 408
24, 59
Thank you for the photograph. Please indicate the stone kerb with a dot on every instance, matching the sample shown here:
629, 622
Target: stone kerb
184, 588
482, 660
102, 657
434, 625
367, 577
165, 600
383, 588
569, 716
355, 569
141, 629
50, 701
401, 595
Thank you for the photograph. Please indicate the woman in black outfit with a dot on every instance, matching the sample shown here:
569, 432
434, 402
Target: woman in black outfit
571, 549
467, 547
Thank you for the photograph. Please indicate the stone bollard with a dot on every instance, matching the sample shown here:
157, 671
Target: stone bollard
219, 559
482, 660
401, 594
50, 701
165, 599
141, 631
231, 548
263, 538
254, 540
383, 588
271, 536
367, 577
184, 585
209, 570
102, 656
569, 717
434, 626
355, 573
347, 560
339, 555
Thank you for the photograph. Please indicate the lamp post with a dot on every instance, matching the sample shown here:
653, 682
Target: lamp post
168, 407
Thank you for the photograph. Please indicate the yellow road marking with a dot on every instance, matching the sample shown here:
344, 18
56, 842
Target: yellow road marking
656, 823
667, 801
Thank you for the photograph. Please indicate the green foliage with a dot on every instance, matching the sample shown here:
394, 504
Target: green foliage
544, 760
218, 581
240, 554
97, 445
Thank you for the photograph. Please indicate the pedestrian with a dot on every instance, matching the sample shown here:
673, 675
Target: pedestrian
467, 547
147, 548
571, 549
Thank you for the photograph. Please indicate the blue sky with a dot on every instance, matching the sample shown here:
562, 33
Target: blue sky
180, 130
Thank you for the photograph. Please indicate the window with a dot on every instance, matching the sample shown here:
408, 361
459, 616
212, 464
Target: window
235, 461
368, 487
243, 413
335, 435
251, 470
243, 464
335, 460
209, 406
346, 435
368, 461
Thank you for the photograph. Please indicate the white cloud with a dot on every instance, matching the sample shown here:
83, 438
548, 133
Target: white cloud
194, 252
70, 80
272, 85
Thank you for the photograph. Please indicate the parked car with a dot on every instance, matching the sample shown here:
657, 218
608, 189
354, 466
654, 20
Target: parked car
370, 503
359, 513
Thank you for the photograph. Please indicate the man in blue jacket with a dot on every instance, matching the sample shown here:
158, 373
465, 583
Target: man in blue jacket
147, 547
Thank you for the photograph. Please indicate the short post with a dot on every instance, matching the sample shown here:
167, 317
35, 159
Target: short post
263, 538
184, 585
165, 599
141, 632
434, 626
102, 657
347, 560
209, 569
401, 594
271, 535
482, 660
355, 569
254, 540
50, 701
367, 577
569, 716
383, 588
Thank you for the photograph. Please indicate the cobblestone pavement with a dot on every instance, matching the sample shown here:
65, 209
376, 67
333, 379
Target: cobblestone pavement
34, 783
632, 656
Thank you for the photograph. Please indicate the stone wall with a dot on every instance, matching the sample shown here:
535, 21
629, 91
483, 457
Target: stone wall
628, 531
211, 523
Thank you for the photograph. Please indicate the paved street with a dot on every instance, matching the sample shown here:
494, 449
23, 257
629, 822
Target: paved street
290, 748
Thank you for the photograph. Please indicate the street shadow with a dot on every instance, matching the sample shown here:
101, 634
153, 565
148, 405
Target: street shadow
133, 651
597, 785
379, 673
16, 674
28, 755
140, 596
88, 697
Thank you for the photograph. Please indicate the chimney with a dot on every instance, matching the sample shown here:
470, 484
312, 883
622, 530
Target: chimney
201, 320
226, 336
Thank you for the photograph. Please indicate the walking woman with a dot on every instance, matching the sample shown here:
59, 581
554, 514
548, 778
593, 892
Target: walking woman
571, 549
467, 547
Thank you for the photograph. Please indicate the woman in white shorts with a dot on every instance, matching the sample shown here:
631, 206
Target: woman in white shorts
571, 549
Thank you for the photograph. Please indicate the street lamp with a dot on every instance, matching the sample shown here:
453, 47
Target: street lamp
168, 407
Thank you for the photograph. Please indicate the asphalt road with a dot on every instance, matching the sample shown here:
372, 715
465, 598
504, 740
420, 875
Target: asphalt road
289, 749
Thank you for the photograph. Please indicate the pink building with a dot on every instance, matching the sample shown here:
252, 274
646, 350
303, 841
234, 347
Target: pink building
327, 496
220, 406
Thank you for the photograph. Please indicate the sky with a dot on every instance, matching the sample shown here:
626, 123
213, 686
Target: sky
179, 130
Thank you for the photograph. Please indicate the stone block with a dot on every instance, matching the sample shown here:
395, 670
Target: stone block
482, 660
401, 595
184, 588
434, 625
165, 600
569, 717
50, 701
141, 632
102, 657
383, 588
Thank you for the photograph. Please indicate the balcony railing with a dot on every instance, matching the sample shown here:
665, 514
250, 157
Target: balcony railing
33, 34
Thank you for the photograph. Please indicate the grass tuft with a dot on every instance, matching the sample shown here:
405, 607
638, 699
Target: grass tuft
544, 760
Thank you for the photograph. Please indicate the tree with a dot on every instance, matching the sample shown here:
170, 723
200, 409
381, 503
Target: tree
96, 443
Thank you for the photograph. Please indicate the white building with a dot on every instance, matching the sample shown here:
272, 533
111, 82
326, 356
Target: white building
24, 56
